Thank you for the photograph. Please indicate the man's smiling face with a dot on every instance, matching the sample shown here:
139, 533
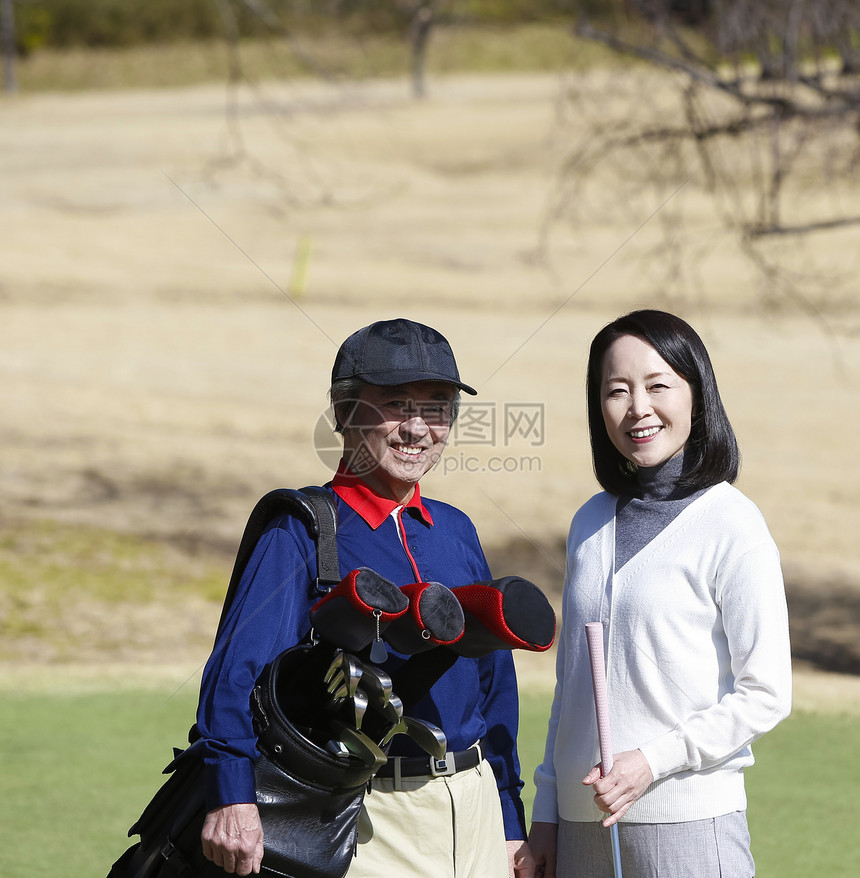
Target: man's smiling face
396, 434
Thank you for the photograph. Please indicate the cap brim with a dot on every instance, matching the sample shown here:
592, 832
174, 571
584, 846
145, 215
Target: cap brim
391, 380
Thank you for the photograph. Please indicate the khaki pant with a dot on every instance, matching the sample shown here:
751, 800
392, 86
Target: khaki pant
441, 827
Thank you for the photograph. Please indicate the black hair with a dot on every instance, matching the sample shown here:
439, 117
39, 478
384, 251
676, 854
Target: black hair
343, 394
711, 454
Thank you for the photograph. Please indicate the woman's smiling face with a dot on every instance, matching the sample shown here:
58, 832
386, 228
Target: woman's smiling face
647, 406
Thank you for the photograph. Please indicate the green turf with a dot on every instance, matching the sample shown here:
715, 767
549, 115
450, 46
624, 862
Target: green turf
804, 798
77, 771
78, 768
803, 791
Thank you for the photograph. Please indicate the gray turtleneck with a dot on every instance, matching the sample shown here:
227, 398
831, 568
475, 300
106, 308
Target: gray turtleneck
659, 501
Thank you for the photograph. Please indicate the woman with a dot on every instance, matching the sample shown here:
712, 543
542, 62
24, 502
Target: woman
681, 570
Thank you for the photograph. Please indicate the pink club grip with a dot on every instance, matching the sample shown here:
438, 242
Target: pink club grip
594, 636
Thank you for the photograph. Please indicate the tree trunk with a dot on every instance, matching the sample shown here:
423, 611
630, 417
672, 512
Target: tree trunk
7, 45
419, 31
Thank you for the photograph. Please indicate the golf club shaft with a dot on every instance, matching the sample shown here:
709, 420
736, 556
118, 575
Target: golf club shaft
616, 849
594, 637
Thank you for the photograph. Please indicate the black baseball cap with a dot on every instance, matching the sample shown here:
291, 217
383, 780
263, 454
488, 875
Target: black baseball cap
399, 351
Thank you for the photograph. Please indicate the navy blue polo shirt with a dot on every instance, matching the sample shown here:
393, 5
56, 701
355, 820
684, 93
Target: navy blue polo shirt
423, 541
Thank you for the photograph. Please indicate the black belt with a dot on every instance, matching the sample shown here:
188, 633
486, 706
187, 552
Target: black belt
429, 766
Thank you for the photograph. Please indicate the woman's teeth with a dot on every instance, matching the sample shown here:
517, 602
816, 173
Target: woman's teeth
644, 434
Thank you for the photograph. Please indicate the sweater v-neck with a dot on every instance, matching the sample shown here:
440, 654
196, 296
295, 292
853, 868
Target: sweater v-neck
642, 517
659, 523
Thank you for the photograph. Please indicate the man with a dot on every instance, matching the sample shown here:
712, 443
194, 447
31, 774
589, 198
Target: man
395, 394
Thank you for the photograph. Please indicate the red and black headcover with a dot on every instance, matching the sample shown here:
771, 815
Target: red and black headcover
506, 613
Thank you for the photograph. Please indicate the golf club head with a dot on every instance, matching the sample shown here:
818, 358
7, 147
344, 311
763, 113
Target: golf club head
335, 682
389, 714
344, 667
337, 748
335, 666
427, 736
353, 671
377, 684
381, 717
399, 728
359, 745
341, 693
396, 704
359, 706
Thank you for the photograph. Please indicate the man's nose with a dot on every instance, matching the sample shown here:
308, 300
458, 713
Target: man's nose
414, 425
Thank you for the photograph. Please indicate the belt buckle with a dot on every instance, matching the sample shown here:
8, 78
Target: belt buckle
442, 767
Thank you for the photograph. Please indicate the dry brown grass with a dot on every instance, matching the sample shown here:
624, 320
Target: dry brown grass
155, 378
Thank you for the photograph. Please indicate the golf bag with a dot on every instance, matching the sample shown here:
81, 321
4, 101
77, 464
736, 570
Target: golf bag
308, 796
309, 800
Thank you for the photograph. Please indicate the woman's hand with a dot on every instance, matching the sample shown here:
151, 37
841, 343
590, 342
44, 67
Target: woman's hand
543, 841
521, 863
233, 838
630, 777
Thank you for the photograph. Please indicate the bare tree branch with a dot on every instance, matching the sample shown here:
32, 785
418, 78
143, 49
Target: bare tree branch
697, 72
754, 232
767, 114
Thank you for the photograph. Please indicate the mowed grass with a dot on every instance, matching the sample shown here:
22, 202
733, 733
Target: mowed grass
802, 793
77, 771
117, 581
79, 767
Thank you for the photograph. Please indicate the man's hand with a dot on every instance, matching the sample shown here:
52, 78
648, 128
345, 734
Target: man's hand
543, 841
521, 863
630, 777
233, 838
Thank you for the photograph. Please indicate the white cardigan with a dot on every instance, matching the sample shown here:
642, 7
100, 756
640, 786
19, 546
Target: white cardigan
697, 659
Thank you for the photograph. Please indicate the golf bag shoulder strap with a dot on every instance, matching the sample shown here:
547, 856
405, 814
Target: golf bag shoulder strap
325, 533
312, 505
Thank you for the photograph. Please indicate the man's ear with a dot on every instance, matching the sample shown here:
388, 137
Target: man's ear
343, 414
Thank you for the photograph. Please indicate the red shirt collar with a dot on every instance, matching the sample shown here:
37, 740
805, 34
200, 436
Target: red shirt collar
372, 507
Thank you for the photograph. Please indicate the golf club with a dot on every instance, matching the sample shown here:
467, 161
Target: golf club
428, 737
339, 693
335, 665
349, 672
594, 636
377, 684
359, 745
337, 748
359, 707
380, 718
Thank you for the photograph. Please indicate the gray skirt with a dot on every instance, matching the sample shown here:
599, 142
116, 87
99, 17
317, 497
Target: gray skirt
718, 847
